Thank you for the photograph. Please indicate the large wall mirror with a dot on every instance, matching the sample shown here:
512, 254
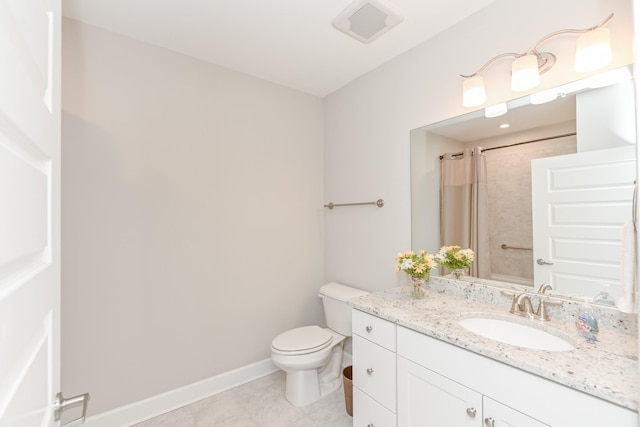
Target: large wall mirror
555, 190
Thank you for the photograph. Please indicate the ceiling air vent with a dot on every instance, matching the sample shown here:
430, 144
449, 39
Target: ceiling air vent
366, 20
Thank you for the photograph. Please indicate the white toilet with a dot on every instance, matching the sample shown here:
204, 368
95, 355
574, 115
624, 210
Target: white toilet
311, 356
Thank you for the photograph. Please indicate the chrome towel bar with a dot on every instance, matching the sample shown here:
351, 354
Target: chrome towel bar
379, 203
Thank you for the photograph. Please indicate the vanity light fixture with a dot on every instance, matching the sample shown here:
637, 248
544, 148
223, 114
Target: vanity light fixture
593, 51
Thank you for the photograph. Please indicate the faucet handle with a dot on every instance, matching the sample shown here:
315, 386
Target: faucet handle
542, 314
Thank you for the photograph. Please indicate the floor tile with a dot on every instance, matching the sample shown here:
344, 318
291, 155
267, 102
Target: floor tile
258, 403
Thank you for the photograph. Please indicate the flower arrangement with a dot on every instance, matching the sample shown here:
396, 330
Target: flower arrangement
417, 265
454, 257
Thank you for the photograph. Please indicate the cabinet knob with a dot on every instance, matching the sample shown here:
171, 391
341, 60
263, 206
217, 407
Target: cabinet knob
471, 412
369, 371
489, 422
370, 425
369, 328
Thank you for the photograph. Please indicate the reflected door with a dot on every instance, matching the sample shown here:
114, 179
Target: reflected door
580, 204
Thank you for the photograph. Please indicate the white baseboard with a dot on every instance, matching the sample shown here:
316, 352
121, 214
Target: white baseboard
128, 415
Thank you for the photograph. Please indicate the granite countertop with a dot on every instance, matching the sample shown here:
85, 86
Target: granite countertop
607, 369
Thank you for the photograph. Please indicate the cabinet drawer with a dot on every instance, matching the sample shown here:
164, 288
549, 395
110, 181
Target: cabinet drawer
367, 412
374, 329
374, 371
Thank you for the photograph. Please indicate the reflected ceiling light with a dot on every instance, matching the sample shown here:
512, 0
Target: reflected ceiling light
543, 97
496, 110
593, 51
504, 125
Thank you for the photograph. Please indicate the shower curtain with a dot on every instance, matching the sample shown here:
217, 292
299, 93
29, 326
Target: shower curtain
464, 208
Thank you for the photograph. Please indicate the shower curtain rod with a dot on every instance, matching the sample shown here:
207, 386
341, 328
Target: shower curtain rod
517, 143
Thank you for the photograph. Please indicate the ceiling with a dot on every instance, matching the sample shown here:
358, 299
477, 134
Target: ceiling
288, 42
521, 116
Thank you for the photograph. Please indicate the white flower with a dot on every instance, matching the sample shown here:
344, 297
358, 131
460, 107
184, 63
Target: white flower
406, 264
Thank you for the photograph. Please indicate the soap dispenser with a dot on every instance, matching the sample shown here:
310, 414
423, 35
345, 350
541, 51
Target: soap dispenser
586, 322
603, 297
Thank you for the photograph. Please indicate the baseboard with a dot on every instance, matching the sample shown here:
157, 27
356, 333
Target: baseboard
128, 415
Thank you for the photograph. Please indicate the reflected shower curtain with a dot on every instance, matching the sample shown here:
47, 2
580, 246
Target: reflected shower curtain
463, 206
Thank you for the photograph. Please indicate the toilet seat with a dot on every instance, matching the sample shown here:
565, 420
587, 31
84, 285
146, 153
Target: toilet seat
304, 340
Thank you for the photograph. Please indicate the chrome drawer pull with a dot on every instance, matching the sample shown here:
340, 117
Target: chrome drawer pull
370, 425
369, 328
471, 412
489, 422
369, 371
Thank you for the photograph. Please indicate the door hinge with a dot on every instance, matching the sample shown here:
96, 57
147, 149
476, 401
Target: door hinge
61, 404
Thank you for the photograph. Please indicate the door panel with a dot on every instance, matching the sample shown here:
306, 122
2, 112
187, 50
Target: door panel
29, 214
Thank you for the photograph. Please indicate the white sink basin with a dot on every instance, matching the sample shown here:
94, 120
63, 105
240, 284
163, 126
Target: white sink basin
514, 333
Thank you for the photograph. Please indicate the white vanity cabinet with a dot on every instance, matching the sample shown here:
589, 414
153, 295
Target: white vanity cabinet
505, 396
374, 371
405, 378
426, 398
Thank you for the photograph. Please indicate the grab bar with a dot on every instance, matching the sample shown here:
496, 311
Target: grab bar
379, 203
505, 246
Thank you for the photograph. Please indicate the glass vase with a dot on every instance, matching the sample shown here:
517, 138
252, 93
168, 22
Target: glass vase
457, 273
417, 287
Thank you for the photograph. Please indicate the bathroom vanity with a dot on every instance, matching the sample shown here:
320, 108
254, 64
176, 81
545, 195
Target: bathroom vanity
414, 364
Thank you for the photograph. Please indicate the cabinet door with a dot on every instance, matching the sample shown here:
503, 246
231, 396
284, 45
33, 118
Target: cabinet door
498, 415
369, 413
426, 399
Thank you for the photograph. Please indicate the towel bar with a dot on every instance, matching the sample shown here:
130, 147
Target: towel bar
504, 246
379, 203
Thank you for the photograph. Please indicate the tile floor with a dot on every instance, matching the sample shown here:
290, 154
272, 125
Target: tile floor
258, 403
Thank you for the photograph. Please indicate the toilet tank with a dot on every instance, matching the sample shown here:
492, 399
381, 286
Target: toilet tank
336, 310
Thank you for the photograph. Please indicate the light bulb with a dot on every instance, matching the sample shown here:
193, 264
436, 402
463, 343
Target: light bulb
543, 96
593, 50
473, 93
496, 110
524, 73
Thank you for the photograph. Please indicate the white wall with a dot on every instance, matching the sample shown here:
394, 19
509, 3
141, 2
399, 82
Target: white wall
368, 122
605, 117
192, 217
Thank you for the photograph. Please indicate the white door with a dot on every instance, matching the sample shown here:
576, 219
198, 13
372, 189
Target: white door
29, 211
580, 204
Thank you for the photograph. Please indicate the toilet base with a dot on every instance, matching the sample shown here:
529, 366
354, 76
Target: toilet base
307, 386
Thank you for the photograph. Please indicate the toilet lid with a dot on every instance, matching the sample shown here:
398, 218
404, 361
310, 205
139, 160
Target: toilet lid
304, 338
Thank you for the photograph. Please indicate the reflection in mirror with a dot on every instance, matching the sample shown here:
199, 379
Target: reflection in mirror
552, 193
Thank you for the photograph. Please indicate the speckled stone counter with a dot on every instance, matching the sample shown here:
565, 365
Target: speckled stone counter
607, 369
